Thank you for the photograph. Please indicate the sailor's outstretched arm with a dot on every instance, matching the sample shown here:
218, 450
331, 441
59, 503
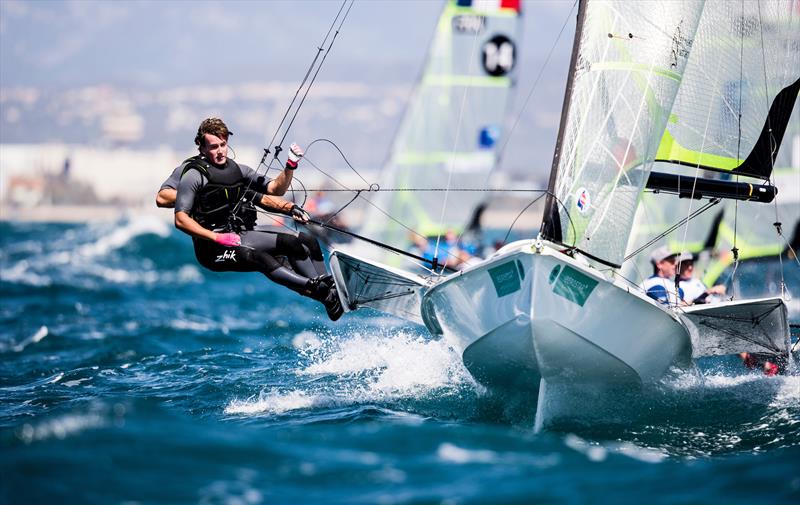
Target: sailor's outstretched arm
279, 185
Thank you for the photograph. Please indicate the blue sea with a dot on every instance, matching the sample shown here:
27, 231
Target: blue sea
129, 375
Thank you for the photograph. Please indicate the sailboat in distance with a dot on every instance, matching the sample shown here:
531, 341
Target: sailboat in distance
450, 137
554, 309
451, 132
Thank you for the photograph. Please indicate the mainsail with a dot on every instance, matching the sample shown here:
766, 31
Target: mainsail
627, 66
732, 111
738, 90
453, 127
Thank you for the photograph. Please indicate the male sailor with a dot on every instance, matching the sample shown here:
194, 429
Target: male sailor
694, 291
661, 286
215, 205
278, 186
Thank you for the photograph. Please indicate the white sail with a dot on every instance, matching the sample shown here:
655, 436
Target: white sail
731, 115
627, 71
745, 54
453, 127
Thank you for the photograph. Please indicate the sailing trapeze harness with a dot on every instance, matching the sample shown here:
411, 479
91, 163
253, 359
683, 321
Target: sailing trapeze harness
215, 205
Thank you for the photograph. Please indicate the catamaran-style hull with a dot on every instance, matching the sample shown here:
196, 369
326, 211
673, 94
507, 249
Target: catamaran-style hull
528, 314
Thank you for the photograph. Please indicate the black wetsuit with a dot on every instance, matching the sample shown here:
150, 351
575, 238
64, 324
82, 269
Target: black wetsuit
287, 257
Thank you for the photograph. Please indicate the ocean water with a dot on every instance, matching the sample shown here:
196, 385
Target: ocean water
130, 375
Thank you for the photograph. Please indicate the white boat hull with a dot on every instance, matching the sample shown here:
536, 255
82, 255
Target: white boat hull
526, 314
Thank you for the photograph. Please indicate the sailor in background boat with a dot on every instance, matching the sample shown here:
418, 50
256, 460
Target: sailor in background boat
662, 286
215, 205
770, 364
694, 291
451, 253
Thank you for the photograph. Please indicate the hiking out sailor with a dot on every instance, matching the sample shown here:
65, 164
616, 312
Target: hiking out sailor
215, 205
661, 285
278, 186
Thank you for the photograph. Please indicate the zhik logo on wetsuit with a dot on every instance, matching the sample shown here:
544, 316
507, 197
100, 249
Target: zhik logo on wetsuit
225, 256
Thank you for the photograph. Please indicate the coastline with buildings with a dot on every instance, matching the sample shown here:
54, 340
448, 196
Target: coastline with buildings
76, 183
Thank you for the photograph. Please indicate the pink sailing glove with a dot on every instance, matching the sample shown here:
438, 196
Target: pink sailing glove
295, 153
228, 239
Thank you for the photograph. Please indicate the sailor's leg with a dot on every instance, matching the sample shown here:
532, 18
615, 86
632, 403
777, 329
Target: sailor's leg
303, 253
304, 276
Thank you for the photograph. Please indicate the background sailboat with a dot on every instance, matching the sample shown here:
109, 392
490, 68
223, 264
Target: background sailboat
452, 130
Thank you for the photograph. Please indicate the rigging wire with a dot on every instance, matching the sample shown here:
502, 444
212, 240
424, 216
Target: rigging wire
320, 49
697, 170
672, 228
735, 249
450, 169
316, 73
772, 145
375, 188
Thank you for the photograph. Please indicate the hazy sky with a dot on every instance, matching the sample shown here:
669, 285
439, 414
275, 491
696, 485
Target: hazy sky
147, 43
56, 47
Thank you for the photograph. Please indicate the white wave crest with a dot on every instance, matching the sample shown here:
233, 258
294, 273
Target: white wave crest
399, 365
273, 402
599, 452
122, 235
454, 454
20, 273
451, 453
36, 337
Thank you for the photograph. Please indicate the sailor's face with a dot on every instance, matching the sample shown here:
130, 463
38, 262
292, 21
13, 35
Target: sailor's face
667, 267
687, 269
214, 149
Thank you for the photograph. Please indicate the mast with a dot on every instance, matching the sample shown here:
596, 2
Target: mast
551, 222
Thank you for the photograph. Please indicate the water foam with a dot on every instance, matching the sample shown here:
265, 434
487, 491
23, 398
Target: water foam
273, 402
399, 365
788, 392
360, 368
